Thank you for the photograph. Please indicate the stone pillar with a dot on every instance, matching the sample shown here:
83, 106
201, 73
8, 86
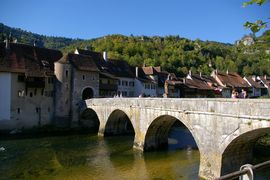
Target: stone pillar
139, 141
101, 128
210, 165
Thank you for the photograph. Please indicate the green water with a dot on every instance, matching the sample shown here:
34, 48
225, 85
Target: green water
91, 157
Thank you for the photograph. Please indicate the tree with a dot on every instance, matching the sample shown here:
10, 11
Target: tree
259, 24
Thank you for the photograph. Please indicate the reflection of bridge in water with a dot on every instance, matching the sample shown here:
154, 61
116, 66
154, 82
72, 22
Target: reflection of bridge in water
225, 130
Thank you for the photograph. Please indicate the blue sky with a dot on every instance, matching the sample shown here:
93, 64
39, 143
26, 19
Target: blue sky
215, 20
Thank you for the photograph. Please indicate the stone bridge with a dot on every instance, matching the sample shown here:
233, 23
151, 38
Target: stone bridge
225, 130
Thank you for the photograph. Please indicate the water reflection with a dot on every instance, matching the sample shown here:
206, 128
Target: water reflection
91, 157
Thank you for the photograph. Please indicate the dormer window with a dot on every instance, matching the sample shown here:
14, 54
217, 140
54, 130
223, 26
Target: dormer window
45, 63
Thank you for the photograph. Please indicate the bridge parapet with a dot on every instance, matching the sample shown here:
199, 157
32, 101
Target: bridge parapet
259, 108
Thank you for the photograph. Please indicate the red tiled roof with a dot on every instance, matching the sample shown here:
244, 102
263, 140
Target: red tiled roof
120, 68
80, 62
253, 83
233, 80
265, 80
197, 82
33, 61
151, 70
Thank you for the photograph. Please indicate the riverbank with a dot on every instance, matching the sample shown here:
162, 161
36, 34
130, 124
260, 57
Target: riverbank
44, 131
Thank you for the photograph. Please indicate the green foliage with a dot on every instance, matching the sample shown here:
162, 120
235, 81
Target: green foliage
256, 26
30, 38
172, 53
258, 2
259, 24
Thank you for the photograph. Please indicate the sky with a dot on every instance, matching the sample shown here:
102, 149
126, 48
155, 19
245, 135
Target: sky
213, 20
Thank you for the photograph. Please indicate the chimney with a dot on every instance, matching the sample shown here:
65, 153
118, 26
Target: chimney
184, 80
265, 77
137, 72
169, 77
7, 44
254, 77
189, 72
35, 43
227, 71
105, 56
200, 74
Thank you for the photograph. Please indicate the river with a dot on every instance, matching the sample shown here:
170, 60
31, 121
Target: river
92, 157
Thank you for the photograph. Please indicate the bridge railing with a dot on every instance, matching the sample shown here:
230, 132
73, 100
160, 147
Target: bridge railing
244, 171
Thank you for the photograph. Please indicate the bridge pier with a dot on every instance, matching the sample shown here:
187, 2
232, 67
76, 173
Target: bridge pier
210, 165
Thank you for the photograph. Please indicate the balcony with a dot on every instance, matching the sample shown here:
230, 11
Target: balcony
110, 87
35, 82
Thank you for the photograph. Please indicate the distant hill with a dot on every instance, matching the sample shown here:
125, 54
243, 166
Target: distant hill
173, 53
30, 38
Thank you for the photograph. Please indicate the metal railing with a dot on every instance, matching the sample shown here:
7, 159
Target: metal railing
244, 171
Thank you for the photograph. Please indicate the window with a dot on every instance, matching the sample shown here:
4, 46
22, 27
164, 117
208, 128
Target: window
147, 86
131, 83
49, 109
83, 77
21, 78
35, 92
42, 92
124, 83
31, 94
124, 93
20, 93
18, 110
37, 109
119, 82
66, 73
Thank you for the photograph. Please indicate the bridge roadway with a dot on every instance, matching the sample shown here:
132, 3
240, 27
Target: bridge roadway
225, 130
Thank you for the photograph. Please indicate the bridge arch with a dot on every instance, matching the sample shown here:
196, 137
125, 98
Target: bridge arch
239, 151
118, 123
90, 120
158, 133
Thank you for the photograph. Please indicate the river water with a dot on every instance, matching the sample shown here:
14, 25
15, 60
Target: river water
92, 157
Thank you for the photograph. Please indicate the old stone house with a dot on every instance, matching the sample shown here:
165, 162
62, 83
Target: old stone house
229, 81
27, 85
77, 79
257, 86
199, 86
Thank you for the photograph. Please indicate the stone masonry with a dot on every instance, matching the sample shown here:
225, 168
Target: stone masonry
225, 130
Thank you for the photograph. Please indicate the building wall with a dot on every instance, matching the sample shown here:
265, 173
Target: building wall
160, 91
5, 95
145, 88
82, 80
62, 91
29, 108
126, 86
226, 93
